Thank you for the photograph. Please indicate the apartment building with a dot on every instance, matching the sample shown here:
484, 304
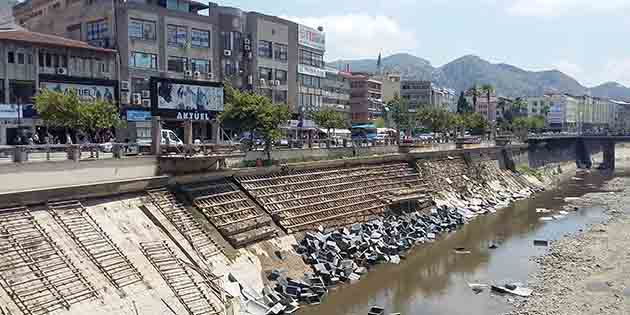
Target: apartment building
30, 61
336, 86
366, 99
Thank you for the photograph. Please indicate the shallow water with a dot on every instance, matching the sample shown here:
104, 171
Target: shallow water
434, 279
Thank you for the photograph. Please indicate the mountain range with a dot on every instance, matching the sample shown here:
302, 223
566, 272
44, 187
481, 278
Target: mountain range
462, 73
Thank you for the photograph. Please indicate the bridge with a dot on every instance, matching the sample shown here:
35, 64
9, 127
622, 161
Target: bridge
583, 146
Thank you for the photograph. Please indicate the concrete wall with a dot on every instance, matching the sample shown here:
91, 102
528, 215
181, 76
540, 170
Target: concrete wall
42, 175
319, 154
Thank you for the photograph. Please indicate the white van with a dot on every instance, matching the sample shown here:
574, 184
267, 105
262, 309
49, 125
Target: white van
168, 137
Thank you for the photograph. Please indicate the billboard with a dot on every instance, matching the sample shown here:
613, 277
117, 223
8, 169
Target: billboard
138, 115
311, 38
312, 71
86, 92
10, 111
186, 99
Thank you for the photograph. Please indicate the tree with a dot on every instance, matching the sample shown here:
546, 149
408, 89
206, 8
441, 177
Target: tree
474, 91
70, 112
329, 119
487, 90
476, 123
255, 114
379, 122
462, 104
401, 116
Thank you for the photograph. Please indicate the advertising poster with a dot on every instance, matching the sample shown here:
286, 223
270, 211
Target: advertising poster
86, 92
186, 97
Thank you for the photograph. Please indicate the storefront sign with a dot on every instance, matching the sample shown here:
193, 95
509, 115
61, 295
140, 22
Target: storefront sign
308, 70
86, 92
138, 115
311, 38
186, 99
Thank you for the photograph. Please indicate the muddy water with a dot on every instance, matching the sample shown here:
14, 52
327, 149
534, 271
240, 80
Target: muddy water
434, 280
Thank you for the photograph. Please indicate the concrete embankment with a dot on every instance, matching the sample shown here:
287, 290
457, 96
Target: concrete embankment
223, 235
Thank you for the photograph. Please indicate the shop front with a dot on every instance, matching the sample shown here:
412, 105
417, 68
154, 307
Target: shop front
178, 101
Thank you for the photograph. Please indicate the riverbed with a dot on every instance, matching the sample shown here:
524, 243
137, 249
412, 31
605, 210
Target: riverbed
434, 279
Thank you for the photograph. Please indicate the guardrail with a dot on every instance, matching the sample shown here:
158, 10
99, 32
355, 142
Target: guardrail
93, 151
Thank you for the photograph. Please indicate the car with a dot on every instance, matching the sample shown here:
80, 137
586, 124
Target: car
106, 147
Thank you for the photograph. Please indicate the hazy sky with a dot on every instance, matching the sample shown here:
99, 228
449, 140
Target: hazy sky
587, 39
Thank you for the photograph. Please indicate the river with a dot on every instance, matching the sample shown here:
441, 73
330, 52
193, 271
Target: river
433, 280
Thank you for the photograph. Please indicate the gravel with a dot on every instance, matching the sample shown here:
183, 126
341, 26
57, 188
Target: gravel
588, 272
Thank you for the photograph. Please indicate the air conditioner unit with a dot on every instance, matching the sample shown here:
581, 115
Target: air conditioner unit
262, 82
227, 52
136, 99
248, 47
124, 85
250, 55
146, 93
62, 71
146, 103
197, 74
247, 41
276, 83
188, 73
210, 76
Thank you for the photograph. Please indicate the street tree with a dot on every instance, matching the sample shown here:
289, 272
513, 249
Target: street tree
400, 114
68, 111
256, 114
476, 123
329, 119
462, 104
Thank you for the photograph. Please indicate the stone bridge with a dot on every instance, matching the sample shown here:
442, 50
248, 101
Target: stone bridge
557, 148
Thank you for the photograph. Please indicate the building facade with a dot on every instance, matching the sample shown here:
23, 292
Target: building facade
188, 40
391, 86
425, 94
336, 88
32, 61
366, 100
482, 106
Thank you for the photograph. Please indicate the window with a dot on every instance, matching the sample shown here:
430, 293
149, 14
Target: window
280, 97
21, 91
139, 84
29, 59
308, 81
143, 60
97, 30
177, 64
74, 31
311, 58
11, 57
20, 58
63, 61
103, 66
200, 65
265, 49
281, 52
200, 38
281, 75
176, 35
265, 73
140, 29
230, 67
309, 101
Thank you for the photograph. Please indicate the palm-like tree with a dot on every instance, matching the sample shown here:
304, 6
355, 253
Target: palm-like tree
474, 91
487, 90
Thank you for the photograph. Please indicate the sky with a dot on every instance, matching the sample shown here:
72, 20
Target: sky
587, 39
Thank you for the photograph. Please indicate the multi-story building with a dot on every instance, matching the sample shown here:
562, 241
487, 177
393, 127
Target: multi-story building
417, 94
336, 88
197, 44
391, 86
32, 61
622, 117
310, 68
168, 53
425, 94
366, 100
482, 106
